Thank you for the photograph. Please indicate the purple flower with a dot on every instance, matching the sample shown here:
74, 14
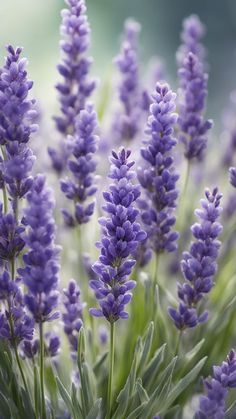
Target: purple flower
76, 85
80, 186
30, 348
193, 92
232, 176
127, 121
16, 124
15, 324
193, 32
212, 405
72, 317
199, 264
121, 235
40, 273
11, 241
51, 346
157, 175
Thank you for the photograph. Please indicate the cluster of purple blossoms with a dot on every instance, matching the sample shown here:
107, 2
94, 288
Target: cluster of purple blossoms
40, 273
16, 117
76, 86
72, 317
121, 235
191, 36
193, 92
30, 349
232, 176
157, 176
15, 324
212, 405
127, 121
199, 264
81, 186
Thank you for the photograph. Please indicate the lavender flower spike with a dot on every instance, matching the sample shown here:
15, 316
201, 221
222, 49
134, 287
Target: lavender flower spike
192, 33
121, 235
193, 93
199, 264
76, 86
81, 186
40, 273
213, 404
157, 175
72, 317
16, 125
127, 121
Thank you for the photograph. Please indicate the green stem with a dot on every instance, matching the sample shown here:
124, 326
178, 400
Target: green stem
5, 203
181, 212
178, 343
43, 412
20, 368
155, 275
111, 367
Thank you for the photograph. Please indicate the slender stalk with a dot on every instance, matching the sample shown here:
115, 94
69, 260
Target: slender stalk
155, 275
43, 412
20, 368
5, 200
181, 212
178, 343
111, 367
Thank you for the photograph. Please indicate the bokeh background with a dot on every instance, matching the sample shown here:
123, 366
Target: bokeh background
35, 25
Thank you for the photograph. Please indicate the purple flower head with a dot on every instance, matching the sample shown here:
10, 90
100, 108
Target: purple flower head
191, 36
81, 186
7, 286
76, 86
52, 345
157, 176
199, 265
72, 317
127, 121
30, 348
121, 235
193, 92
212, 405
11, 241
232, 176
17, 117
15, 324
40, 273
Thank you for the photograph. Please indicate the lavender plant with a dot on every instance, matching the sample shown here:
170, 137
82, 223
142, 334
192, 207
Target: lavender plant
56, 357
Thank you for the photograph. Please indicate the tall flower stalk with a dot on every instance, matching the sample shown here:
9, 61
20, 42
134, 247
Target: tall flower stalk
40, 273
157, 175
199, 265
76, 85
121, 235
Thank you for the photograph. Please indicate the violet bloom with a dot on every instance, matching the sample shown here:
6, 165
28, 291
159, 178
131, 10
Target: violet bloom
193, 93
213, 404
16, 125
199, 265
157, 175
121, 235
128, 119
40, 273
81, 185
11, 241
30, 349
15, 324
191, 36
72, 317
76, 85
232, 176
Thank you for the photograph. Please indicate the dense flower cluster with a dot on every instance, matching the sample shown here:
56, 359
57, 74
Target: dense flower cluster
76, 86
72, 317
16, 117
199, 264
15, 324
127, 120
81, 185
213, 404
193, 92
40, 273
121, 235
157, 176
191, 36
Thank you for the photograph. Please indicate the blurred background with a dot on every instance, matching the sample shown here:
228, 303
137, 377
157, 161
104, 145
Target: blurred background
35, 25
